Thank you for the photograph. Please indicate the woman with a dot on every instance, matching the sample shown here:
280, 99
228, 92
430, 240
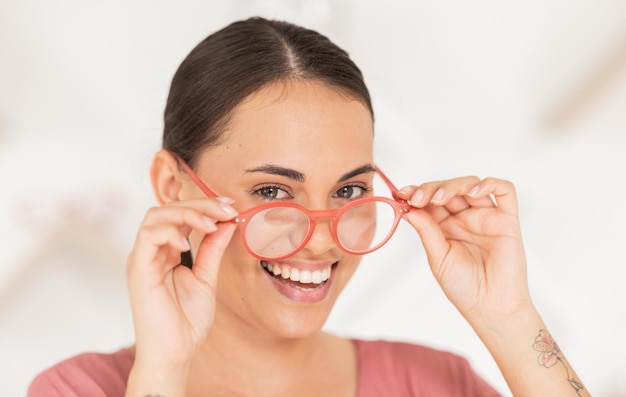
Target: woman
265, 185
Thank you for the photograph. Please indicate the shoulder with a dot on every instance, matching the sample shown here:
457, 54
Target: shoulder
385, 357
415, 370
88, 374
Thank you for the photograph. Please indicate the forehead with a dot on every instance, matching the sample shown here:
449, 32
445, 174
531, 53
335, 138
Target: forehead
299, 124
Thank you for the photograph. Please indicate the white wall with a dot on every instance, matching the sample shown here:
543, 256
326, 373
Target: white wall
459, 88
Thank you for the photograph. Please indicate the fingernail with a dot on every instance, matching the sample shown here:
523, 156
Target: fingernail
228, 209
405, 190
438, 197
185, 244
473, 192
417, 196
225, 200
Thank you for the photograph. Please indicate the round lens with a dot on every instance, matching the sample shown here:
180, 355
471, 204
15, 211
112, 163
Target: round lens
276, 231
366, 225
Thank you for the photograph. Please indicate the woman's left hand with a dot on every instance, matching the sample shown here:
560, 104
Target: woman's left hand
471, 234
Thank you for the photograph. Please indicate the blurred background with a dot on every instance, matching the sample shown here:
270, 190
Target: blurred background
532, 91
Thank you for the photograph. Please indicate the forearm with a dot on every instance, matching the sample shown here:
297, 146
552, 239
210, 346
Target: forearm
530, 360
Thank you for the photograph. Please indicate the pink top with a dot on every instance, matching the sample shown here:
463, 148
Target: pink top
385, 369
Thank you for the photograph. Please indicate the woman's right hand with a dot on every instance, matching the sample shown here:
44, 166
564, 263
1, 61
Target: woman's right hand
173, 306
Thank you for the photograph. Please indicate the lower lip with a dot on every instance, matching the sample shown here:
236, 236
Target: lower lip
301, 295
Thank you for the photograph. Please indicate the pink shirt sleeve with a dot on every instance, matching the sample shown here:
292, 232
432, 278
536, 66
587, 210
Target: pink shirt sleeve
407, 370
89, 374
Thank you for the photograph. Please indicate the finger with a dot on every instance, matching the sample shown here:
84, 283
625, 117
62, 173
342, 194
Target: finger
502, 192
433, 239
437, 213
456, 204
482, 202
187, 218
210, 253
156, 247
219, 209
440, 193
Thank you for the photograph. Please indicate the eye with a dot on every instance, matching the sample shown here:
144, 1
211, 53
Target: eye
351, 192
272, 192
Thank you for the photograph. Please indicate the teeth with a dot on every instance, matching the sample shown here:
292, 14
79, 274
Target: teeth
305, 277
316, 277
294, 275
302, 276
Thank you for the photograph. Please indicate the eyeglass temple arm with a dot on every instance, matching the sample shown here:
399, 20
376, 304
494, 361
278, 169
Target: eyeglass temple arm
390, 185
195, 178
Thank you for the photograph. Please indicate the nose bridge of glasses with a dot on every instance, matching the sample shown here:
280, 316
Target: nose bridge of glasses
320, 214
323, 219
322, 235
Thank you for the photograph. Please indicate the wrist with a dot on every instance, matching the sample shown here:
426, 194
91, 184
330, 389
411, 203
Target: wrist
155, 377
509, 325
529, 358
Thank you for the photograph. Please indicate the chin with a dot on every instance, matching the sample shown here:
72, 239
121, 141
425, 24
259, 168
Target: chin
299, 325
268, 299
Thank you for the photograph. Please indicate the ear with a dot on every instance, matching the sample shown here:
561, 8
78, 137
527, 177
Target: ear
165, 175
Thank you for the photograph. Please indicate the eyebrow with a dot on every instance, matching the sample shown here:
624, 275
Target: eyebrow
281, 171
300, 177
364, 169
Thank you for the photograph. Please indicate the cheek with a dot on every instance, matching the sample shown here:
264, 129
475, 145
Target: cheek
345, 270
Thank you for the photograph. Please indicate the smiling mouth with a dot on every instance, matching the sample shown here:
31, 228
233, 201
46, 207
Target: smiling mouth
293, 277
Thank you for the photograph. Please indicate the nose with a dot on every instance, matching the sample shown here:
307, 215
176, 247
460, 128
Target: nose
321, 240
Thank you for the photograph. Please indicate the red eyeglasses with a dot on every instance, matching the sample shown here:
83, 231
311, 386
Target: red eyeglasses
277, 230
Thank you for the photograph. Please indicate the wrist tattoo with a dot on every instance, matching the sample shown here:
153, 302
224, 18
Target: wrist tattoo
550, 355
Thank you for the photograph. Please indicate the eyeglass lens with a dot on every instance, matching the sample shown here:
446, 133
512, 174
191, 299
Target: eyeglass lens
280, 231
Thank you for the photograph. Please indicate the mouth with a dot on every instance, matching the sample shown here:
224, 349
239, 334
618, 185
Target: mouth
297, 283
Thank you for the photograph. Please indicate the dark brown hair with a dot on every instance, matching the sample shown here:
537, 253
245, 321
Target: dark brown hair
226, 67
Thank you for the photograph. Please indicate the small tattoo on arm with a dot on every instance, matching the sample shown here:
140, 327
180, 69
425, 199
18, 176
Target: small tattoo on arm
551, 355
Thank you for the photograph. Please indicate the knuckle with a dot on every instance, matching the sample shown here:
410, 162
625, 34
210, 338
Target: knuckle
189, 212
430, 185
153, 209
470, 180
152, 212
189, 215
492, 181
143, 235
510, 185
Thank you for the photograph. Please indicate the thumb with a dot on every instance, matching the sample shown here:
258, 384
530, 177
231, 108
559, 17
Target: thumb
210, 253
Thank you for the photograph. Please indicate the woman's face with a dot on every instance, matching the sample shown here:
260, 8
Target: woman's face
296, 142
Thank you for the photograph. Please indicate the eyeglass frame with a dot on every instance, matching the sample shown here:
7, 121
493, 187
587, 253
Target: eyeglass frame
400, 207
